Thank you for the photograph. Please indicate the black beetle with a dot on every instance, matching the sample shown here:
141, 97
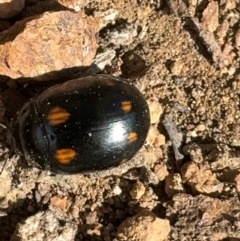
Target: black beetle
83, 125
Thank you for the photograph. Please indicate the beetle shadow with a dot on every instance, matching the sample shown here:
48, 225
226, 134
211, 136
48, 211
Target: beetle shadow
27, 88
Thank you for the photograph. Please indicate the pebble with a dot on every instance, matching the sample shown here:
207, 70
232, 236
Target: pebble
176, 67
210, 16
237, 38
155, 111
161, 171
144, 226
138, 190
45, 226
173, 184
117, 190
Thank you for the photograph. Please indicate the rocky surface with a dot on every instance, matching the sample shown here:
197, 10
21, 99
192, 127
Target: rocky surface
184, 184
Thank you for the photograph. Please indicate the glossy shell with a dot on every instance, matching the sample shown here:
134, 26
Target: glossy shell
83, 125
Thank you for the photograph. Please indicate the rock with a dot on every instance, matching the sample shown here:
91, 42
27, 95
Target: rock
10, 8
138, 190
145, 226
61, 203
155, 138
222, 31
123, 35
91, 218
155, 111
194, 151
48, 47
200, 179
176, 68
161, 171
117, 190
5, 183
44, 226
237, 38
173, 184
237, 180
210, 16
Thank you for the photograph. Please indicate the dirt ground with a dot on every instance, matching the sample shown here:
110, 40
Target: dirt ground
184, 184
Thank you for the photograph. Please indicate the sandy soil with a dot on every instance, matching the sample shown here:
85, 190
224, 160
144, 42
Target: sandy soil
184, 56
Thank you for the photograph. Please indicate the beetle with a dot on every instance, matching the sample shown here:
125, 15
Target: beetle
83, 125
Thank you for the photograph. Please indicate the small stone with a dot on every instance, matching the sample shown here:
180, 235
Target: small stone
222, 31
106, 17
210, 16
91, 218
173, 184
138, 190
161, 171
155, 111
151, 137
10, 8
5, 184
123, 35
201, 127
201, 180
155, 138
176, 67
226, 98
95, 229
237, 180
145, 226
194, 151
62, 203
160, 140
45, 226
117, 190
237, 38
230, 5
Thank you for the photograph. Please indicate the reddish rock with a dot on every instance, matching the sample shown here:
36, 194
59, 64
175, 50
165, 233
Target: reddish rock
200, 179
145, 226
10, 8
50, 42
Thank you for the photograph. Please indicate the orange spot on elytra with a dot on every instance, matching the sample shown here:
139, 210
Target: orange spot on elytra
58, 115
65, 156
132, 137
126, 106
